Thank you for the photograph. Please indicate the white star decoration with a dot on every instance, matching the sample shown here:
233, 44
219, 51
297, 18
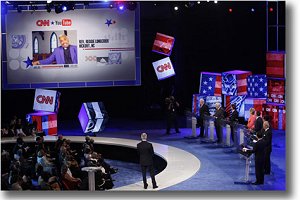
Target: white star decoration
210, 78
204, 91
209, 87
205, 83
261, 89
261, 80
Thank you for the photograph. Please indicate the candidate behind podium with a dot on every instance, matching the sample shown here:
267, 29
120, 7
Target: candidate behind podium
64, 54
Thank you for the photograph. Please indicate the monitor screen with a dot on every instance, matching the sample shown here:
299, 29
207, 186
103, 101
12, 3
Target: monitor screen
78, 48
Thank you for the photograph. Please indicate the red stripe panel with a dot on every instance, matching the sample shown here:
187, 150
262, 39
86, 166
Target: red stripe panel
167, 39
218, 91
195, 104
38, 120
275, 64
227, 106
244, 75
275, 72
274, 56
242, 90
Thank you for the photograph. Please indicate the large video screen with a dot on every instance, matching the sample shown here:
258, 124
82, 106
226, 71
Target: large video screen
78, 48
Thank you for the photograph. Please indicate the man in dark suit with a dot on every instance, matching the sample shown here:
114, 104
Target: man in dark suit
258, 122
219, 116
146, 154
204, 111
172, 109
234, 119
267, 136
259, 150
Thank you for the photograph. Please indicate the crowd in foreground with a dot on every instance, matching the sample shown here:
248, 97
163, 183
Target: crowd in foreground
53, 167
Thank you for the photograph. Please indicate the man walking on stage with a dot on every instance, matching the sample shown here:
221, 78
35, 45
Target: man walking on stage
146, 154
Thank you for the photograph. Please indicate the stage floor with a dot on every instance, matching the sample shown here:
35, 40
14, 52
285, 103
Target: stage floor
220, 167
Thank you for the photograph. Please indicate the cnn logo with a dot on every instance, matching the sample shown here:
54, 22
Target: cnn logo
164, 67
43, 22
44, 99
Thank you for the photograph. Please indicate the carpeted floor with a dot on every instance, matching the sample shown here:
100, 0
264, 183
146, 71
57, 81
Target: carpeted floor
220, 167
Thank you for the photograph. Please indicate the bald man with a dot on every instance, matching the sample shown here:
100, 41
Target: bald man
146, 155
65, 54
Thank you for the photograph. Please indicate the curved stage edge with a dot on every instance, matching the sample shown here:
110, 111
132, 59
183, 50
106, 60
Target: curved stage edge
181, 165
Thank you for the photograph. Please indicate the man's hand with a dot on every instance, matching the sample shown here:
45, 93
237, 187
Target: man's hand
36, 63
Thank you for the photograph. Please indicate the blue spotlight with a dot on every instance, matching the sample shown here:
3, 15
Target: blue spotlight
64, 8
121, 6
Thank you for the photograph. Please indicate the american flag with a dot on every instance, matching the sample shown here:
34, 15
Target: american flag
257, 86
235, 82
210, 84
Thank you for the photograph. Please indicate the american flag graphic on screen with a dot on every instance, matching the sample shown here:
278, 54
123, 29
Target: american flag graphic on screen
210, 84
257, 86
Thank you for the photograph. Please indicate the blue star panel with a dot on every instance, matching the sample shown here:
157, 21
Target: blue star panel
257, 86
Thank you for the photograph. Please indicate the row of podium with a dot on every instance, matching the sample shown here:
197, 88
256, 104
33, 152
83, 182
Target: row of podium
243, 138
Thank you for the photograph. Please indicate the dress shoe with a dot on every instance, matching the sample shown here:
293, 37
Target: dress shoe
154, 187
257, 183
146, 186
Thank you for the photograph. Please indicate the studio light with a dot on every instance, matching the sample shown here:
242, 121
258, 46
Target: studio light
176, 8
120, 6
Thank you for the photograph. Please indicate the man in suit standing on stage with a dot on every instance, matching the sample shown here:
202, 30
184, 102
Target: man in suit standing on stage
258, 122
234, 120
267, 136
219, 116
259, 151
204, 111
146, 154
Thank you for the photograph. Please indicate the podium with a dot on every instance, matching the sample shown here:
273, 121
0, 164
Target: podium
247, 157
194, 128
91, 173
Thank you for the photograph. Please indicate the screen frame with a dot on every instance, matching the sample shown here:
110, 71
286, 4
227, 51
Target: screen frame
135, 82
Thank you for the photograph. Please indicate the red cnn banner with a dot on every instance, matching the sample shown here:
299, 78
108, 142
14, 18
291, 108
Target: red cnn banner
163, 44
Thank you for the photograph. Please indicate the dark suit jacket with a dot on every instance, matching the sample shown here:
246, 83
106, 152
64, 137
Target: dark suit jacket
268, 139
219, 116
146, 153
204, 110
258, 124
259, 151
234, 118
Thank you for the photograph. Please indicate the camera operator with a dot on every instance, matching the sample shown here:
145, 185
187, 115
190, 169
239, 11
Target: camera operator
172, 107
